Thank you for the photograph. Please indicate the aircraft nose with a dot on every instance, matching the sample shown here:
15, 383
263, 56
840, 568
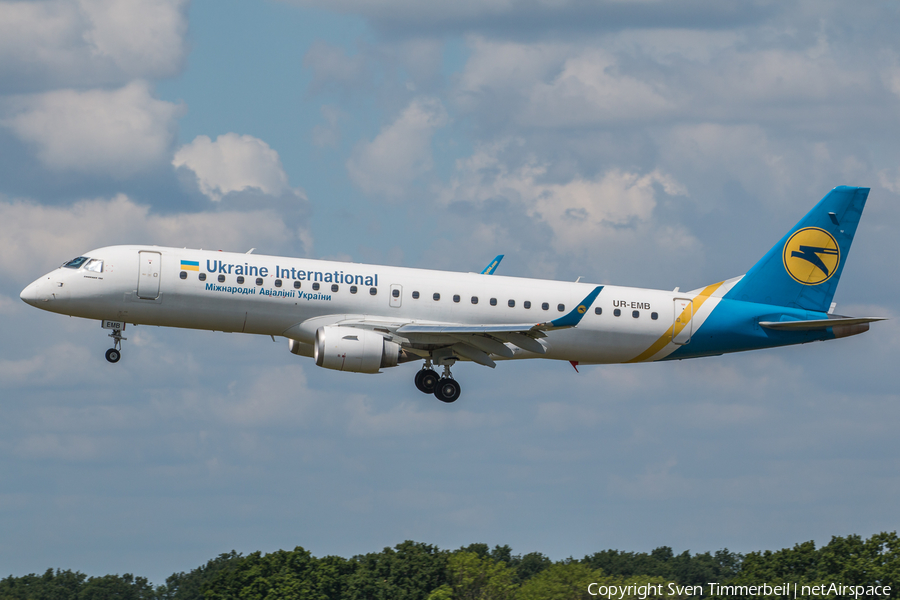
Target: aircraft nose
31, 294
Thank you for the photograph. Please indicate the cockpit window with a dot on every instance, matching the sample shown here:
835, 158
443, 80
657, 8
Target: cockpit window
76, 262
95, 265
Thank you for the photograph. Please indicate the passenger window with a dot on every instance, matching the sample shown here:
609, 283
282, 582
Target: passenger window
335, 287
415, 295
277, 283
297, 284
561, 307
598, 311
654, 316
617, 313
456, 297
183, 275
545, 305
474, 299
259, 281
527, 304
635, 314
353, 288
373, 291
94, 265
395, 293
493, 302
202, 276
436, 296
316, 286
221, 279
240, 279
75, 262
512, 303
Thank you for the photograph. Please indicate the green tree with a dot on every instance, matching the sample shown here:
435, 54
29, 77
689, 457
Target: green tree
58, 585
571, 580
281, 575
410, 571
473, 577
116, 587
189, 586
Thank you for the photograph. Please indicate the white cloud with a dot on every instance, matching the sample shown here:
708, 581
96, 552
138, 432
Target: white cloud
557, 85
234, 163
579, 211
590, 90
143, 38
56, 43
890, 180
36, 238
116, 133
401, 152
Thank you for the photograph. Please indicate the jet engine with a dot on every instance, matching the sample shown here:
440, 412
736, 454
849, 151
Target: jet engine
355, 350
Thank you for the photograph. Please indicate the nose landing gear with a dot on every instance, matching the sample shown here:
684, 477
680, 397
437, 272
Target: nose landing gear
115, 353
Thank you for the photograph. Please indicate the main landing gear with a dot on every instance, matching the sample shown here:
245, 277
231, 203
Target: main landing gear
115, 353
445, 389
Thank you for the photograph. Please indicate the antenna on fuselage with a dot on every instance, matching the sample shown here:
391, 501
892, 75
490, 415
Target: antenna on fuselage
250, 251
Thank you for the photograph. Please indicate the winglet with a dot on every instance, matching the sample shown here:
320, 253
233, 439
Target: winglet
489, 270
573, 317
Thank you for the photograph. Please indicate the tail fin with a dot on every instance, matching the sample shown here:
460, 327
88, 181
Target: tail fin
803, 269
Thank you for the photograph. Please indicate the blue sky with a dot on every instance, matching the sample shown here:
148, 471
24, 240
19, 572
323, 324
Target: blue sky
641, 143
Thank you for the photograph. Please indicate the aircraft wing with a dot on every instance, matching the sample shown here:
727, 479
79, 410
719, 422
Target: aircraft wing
475, 342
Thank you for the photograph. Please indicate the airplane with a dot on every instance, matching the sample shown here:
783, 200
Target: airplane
362, 318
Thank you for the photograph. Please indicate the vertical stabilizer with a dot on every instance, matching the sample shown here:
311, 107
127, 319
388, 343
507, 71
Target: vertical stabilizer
802, 270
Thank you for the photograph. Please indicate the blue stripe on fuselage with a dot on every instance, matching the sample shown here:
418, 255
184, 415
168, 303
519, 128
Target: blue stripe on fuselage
733, 326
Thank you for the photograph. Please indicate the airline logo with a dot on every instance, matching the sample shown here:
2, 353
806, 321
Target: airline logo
811, 256
582, 309
190, 265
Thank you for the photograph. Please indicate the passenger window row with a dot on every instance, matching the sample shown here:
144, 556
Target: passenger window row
373, 291
598, 310
493, 301
316, 286
635, 313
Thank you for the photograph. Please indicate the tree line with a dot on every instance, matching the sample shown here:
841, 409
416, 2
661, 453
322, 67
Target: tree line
418, 571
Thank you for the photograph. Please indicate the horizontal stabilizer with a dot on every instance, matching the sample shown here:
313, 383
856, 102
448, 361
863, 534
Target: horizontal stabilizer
818, 323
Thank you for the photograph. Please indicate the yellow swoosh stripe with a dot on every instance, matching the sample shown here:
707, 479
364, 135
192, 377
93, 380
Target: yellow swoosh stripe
676, 328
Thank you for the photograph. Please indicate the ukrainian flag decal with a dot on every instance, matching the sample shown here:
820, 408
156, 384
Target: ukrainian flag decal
190, 265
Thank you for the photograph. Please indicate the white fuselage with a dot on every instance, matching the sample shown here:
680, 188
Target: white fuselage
150, 285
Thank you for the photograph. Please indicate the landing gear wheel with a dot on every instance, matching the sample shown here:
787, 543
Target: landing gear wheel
115, 353
447, 390
426, 381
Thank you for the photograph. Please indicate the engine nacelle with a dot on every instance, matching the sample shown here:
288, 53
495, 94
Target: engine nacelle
355, 350
301, 349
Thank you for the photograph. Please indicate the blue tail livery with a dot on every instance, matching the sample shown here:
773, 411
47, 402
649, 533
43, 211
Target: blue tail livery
803, 269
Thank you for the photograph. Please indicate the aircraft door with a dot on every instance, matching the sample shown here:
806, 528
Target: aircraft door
148, 275
683, 321
396, 295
